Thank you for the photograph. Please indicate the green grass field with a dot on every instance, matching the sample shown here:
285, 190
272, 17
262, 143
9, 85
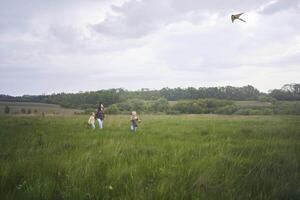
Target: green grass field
170, 157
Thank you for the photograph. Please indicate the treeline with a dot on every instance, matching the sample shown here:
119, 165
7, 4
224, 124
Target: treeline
199, 106
289, 92
228, 92
203, 106
113, 96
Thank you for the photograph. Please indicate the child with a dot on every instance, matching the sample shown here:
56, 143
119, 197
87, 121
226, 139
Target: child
134, 121
91, 121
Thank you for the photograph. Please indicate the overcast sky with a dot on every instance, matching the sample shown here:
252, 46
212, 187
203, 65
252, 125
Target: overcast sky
83, 45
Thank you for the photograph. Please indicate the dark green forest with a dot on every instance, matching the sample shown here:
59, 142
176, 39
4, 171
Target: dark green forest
218, 100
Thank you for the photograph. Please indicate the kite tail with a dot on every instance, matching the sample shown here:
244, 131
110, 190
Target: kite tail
242, 20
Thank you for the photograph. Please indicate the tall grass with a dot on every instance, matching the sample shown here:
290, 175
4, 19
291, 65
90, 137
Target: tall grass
170, 157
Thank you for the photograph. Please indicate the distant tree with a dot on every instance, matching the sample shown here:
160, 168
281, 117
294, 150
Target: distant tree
124, 106
6, 110
28, 111
266, 98
160, 105
289, 92
204, 106
293, 88
227, 110
263, 98
113, 109
137, 104
118, 96
23, 111
191, 107
35, 111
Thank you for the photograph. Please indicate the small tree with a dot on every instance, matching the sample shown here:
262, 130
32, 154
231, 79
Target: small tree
6, 110
35, 111
137, 104
28, 111
23, 111
160, 105
113, 109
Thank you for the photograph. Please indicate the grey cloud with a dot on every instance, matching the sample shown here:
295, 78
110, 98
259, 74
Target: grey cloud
289, 60
118, 27
136, 18
224, 46
216, 5
70, 39
139, 18
15, 15
201, 50
280, 5
65, 34
21, 16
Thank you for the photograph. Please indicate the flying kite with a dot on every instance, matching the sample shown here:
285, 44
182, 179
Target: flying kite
237, 16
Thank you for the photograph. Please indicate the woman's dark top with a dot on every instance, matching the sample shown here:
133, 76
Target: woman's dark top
99, 114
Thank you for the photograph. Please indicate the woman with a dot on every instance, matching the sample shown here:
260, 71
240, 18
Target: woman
100, 115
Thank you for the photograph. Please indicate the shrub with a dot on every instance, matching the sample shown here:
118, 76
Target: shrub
28, 111
160, 105
23, 111
113, 109
265, 98
6, 110
248, 111
132, 104
77, 113
216, 103
243, 112
267, 111
190, 107
201, 106
137, 105
172, 112
227, 110
287, 108
89, 111
124, 106
255, 112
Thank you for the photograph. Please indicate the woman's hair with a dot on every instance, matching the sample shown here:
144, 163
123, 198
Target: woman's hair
99, 106
133, 112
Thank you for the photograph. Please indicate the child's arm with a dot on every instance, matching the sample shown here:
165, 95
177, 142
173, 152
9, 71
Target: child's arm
90, 119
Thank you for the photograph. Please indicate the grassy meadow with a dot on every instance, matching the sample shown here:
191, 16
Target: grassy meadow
170, 157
